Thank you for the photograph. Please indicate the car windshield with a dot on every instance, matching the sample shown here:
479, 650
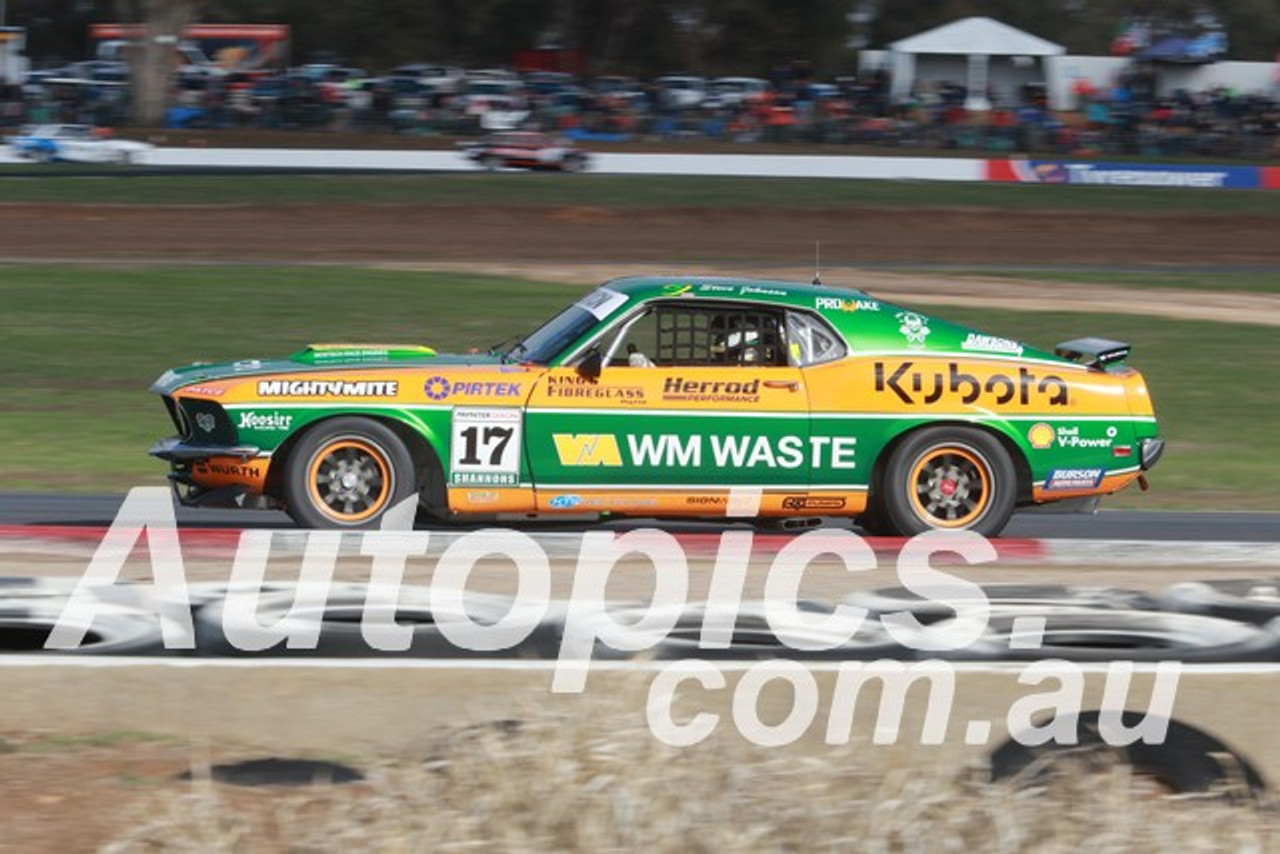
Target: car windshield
551, 339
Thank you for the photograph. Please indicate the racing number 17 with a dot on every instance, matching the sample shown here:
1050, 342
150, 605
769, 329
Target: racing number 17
491, 438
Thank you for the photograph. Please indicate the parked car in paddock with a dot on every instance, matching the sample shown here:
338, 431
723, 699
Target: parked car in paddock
526, 150
674, 397
76, 144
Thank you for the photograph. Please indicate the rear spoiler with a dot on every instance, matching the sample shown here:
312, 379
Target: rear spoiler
1094, 352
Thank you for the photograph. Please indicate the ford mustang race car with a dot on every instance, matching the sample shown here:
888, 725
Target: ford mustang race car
680, 397
75, 143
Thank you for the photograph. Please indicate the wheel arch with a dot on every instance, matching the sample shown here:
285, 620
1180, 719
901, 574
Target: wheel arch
1001, 433
421, 441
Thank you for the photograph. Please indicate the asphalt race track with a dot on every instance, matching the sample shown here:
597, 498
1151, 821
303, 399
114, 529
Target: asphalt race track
1155, 526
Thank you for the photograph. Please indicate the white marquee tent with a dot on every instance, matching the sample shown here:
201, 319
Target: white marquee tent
979, 40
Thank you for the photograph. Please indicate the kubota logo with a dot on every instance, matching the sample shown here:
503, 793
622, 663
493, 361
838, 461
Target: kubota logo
916, 386
587, 449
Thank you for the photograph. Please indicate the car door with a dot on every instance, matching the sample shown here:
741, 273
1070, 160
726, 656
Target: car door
697, 410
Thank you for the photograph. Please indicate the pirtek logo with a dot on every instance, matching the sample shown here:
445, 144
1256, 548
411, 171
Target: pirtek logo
904, 382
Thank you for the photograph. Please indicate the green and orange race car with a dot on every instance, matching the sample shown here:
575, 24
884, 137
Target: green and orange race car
674, 397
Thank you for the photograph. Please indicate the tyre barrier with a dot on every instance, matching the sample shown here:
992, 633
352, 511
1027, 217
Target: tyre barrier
1219, 621
341, 625
753, 635
25, 626
1186, 760
891, 600
1033, 633
1250, 600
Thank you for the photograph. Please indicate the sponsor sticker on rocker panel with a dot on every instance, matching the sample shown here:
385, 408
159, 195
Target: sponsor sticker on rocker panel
1083, 478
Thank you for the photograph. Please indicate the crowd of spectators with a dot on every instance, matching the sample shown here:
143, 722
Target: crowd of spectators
1125, 119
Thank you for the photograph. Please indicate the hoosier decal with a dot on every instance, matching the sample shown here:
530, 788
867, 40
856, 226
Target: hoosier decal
917, 387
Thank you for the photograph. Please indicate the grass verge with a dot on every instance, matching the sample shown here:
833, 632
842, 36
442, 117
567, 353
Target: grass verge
618, 191
80, 347
604, 783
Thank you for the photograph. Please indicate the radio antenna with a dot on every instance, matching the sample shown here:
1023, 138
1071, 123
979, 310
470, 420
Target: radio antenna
817, 262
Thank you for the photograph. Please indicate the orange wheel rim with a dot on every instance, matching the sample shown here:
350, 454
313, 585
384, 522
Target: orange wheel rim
950, 487
350, 480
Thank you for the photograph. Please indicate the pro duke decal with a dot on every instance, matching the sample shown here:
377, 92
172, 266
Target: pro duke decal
485, 447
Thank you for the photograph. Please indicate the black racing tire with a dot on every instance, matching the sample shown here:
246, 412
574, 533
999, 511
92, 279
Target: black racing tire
754, 637
341, 635
489, 163
1249, 600
895, 600
1188, 760
346, 473
124, 158
951, 478
26, 622
1076, 634
573, 163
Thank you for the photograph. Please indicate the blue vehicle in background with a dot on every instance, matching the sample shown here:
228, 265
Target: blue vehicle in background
76, 144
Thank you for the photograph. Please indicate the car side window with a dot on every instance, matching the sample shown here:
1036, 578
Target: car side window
719, 335
810, 341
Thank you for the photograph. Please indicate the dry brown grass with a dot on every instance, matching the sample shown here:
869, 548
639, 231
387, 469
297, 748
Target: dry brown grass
598, 781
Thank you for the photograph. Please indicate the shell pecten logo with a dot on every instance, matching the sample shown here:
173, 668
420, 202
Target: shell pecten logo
1041, 436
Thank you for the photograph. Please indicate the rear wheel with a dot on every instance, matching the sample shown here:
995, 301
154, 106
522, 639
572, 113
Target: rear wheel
346, 473
949, 478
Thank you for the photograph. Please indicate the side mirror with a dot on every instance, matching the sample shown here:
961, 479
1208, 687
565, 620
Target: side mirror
591, 365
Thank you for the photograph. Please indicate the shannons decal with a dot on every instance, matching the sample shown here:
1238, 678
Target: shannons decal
328, 388
675, 451
913, 386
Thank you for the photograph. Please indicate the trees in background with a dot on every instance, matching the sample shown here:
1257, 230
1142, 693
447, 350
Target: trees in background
152, 56
642, 38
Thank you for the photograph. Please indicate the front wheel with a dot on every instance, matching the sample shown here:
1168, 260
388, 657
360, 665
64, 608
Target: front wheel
346, 473
949, 478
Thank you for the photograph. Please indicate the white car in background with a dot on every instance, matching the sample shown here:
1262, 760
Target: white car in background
732, 91
682, 91
76, 144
